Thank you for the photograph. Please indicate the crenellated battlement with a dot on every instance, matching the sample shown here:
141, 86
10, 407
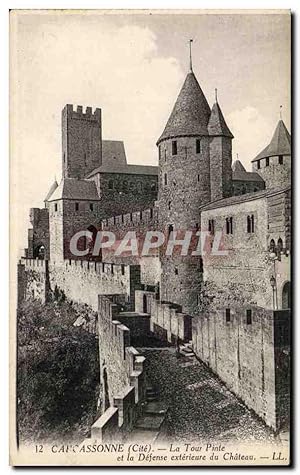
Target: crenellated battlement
127, 385
99, 268
147, 216
80, 114
37, 264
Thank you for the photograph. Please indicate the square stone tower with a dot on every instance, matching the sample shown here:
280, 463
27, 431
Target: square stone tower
81, 141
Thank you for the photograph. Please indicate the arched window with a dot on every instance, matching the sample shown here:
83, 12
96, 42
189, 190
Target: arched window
279, 245
272, 245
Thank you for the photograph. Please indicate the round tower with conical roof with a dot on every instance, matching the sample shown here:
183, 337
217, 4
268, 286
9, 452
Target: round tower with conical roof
184, 186
273, 163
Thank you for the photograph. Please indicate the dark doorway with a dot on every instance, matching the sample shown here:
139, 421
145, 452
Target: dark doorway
286, 296
39, 252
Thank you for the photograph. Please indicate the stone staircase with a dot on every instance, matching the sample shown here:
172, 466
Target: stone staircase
149, 424
186, 349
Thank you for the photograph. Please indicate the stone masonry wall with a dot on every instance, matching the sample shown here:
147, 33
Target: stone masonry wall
184, 186
140, 222
83, 281
39, 234
166, 320
125, 192
81, 141
220, 168
33, 279
275, 175
121, 375
241, 354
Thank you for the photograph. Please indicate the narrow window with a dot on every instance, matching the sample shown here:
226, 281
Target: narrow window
198, 178
165, 179
76, 206
227, 312
165, 155
151, 213
170, 229
279, 245
169, 205
159, 152
176, 271
267, 161
55, 207
258, 164
249, 317
110, 185
123, 269
201, 265
211, 226
112, 268
198, 147
174, 147
92, 206
280, 159
272, 245
250, 224
227, 226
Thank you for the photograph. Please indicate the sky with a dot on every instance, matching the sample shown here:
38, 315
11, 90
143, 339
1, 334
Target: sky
132, 66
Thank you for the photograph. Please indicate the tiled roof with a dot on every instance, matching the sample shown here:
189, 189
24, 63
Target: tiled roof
125, 169
232, 200
113, 152
279, 145
239, 173
74, 189
217, 124
190, 114
51, 190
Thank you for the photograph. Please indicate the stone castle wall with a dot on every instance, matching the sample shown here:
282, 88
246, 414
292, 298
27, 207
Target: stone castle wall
220, 168
166, 320
121, 374
242, 354
81, 141
124, 192
81, 281
39, 234
275, 175
33, 279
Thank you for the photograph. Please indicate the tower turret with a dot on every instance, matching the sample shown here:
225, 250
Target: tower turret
81, 141
184, 186
220, 154
273, 163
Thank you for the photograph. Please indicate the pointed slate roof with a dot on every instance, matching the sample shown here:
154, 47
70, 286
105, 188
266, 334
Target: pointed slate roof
217, 124
279, 145
74, 189
190, 114
51, 190
239, 173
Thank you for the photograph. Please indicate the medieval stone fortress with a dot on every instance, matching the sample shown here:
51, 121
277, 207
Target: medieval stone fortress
231, 312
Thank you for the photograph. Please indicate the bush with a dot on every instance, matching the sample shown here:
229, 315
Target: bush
58, 373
